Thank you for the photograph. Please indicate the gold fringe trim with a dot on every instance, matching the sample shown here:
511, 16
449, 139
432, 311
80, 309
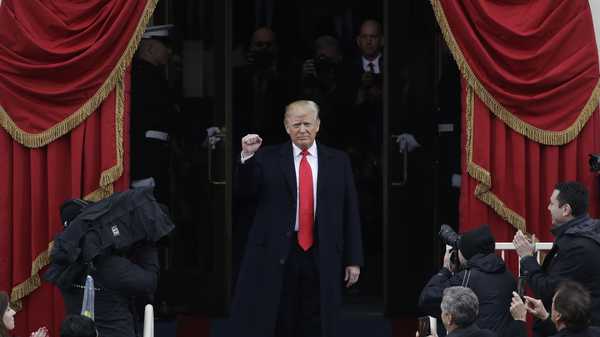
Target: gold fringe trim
33, 282
536, 134
35, 140
483, 189
112, 174
107, 177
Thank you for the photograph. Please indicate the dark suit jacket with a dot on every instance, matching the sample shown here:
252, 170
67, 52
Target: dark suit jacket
269, 179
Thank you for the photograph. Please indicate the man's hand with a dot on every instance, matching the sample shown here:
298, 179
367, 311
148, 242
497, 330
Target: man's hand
536, 308
250, 144
41, 332
518, 310
522, 245
352, 274
309, 69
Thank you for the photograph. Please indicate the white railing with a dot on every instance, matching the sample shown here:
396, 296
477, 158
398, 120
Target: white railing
149, 321
507, 246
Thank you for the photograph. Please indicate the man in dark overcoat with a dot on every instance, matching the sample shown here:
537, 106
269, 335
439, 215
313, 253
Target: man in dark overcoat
575, 251
305, 241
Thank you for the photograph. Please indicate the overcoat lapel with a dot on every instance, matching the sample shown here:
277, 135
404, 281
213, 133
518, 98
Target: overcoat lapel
322, 178
286, 161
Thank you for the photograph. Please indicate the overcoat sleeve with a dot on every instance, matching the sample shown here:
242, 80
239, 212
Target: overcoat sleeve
353, 253
564, 266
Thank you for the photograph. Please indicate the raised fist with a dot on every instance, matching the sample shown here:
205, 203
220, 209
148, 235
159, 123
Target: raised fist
250, 144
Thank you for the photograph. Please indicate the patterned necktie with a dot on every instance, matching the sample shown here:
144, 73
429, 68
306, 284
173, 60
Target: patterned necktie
371, 67
306, 204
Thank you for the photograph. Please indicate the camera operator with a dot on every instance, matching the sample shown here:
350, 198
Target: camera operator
113, 241
478, 268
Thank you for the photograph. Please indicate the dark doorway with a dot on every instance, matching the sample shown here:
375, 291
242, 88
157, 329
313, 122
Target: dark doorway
423, 88
404, 196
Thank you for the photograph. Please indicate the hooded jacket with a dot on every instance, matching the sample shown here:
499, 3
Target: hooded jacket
487, 276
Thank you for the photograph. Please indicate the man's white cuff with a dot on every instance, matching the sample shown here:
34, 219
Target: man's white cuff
244, 158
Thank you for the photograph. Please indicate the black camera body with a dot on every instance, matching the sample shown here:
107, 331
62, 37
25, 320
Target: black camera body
261, 58
594, 162
324, 66
451, 238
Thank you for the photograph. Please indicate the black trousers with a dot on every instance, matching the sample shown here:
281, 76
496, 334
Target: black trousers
299, 306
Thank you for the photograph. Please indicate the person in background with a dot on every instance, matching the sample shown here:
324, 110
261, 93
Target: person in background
151, 110
260, 88
460, 308
8, 320
574, 253
325, 82
570, 315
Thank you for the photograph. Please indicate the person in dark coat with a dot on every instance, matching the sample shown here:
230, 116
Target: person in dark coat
570, 315
151, 111
574, 254
305, 238
113, 241
460, 308
117, 280
324, 81
484, 272
261, 88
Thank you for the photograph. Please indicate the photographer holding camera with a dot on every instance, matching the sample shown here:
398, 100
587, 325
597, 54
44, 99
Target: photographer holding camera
475, 266
323, 81
319, 73
261, 88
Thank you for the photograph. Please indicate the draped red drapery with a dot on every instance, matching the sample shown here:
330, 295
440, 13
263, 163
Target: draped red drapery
64, 112
530, 107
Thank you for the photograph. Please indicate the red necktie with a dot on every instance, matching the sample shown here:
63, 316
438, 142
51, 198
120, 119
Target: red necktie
306, 204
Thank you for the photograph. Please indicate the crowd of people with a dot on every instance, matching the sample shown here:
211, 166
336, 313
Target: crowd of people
478, 295
306, 239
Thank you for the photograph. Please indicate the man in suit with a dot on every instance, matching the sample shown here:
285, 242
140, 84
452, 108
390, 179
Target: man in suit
305, 238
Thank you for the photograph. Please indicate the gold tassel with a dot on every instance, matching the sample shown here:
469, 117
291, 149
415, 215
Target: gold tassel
483, 189
536, 134
107, 177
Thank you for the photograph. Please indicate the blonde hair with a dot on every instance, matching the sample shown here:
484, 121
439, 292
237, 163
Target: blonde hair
302, 105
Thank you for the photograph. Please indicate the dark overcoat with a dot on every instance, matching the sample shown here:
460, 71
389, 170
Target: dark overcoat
574, 256
269, 178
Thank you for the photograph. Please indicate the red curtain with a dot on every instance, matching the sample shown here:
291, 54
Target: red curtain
530, 97
64, 112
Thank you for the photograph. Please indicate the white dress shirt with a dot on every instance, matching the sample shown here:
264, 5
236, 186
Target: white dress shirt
375, 61
313, 161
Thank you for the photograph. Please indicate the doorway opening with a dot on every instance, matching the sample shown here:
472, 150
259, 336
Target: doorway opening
230, 78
